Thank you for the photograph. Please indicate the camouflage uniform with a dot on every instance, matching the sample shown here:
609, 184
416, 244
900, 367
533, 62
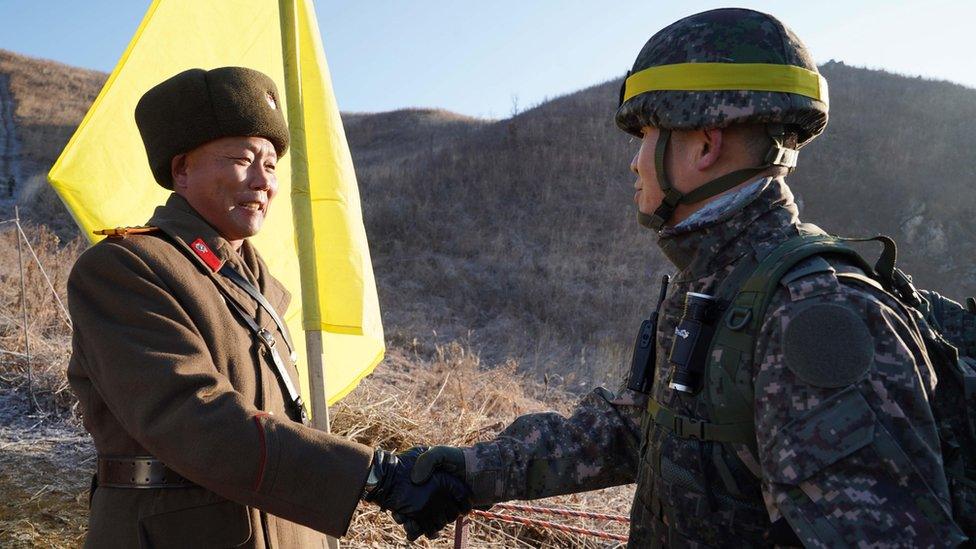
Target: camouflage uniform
856, 462
846, 450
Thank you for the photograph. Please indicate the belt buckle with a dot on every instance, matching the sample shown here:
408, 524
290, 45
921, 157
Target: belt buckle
687, 427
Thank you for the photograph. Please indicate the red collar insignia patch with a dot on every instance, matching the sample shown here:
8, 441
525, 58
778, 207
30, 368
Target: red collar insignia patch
200, 248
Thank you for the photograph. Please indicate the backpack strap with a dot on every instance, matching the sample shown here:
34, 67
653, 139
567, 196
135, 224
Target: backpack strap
754, 297
728, 393
892, 279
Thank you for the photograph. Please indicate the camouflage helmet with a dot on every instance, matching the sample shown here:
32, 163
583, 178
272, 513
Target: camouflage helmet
715, 69
662, 90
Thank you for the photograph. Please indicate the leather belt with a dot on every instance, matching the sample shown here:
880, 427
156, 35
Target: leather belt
138, 472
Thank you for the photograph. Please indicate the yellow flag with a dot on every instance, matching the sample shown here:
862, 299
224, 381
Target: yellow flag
316, 244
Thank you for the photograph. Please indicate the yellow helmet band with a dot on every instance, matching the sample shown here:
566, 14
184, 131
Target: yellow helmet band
728, 76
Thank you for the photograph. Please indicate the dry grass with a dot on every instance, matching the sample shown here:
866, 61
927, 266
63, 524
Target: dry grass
444, 395
424, 393
48, 331
45, 457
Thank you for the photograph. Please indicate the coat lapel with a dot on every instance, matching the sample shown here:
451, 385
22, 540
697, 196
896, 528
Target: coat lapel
203, 245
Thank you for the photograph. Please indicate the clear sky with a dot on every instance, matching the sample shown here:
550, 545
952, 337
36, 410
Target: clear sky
480, 58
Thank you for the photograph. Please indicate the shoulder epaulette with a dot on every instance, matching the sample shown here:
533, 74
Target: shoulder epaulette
122, 232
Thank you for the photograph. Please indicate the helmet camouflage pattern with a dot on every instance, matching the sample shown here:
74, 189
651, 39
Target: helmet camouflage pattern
726, 36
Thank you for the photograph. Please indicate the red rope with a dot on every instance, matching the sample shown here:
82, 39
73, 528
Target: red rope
545, 524
563, 512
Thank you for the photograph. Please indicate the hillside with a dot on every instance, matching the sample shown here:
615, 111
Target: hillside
49, 101
46, 101
517, 235
523, 232
382, 139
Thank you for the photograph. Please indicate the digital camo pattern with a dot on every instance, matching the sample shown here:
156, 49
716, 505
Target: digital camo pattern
853, 465
704, 493
546, 454
723, 36
723, 206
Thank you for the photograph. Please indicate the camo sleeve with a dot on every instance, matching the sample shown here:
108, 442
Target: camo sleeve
547, 454
953, 321
848, 445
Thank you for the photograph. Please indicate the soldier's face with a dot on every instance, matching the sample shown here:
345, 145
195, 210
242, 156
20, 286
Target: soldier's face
648, 195
230, 182
689, 161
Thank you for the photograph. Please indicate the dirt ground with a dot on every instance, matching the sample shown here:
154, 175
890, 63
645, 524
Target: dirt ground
45, 467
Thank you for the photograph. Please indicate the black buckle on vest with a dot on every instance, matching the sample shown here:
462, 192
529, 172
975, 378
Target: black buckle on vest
686, 427
906, 290
782, 156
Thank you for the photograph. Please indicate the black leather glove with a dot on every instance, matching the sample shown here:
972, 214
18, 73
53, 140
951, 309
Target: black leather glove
443, 459
447, 459
422, 509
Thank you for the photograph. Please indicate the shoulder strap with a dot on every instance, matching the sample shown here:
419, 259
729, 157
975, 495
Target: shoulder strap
757, 292
264, 337
734, 341
122, 232
238, 279
728, 395
267, 341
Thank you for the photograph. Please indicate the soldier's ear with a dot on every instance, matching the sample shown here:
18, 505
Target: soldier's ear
710, 148
178, 171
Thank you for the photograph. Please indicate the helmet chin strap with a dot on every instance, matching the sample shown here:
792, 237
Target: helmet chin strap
780, 153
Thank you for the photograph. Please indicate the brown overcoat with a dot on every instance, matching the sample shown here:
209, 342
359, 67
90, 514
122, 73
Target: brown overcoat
162, 367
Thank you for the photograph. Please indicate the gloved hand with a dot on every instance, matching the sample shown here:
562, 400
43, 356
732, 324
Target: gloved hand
447, 459
443, 459
422, 509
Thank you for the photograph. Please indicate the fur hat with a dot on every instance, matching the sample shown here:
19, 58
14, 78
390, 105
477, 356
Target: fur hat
197, 106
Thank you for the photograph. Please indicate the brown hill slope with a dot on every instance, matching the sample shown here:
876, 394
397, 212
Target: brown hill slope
518, 235
523, 232
50, 100
381, 138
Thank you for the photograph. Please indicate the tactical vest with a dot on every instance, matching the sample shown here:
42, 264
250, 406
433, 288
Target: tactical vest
727, 389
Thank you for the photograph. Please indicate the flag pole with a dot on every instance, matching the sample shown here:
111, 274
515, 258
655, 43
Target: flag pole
299, 171
316, 380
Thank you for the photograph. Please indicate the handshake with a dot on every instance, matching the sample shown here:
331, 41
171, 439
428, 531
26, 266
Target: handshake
423, 488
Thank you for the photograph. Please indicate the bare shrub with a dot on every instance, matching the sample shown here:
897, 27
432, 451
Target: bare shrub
48, 329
